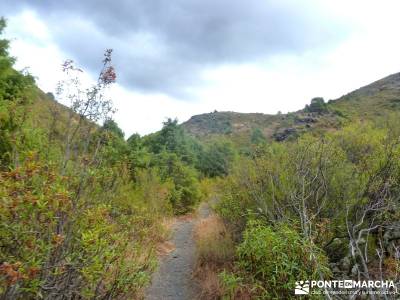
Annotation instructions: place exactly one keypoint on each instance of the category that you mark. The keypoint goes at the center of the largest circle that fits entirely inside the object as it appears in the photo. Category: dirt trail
(173, 279)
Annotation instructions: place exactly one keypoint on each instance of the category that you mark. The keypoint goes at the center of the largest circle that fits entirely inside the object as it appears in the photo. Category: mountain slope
(373, 100)
(377, 98)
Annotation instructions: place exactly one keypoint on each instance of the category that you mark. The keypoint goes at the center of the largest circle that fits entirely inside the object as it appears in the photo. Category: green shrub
(317, 105)
(278, 257)
(231, 283)
(183, 180)
(216, 158)
(15, 89)
(97, 246)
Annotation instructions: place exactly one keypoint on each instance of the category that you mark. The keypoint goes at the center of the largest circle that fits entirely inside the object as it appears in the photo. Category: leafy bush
(277, 257)
(338, 189)
(91, 248)
(216, 158)
(15, 92)
(317, 105)
(183, 180)
(172, 139)
(257, 136)
(72, 223)
(232, 284)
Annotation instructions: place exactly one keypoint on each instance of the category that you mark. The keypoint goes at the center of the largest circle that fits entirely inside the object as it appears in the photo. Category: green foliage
(171, 138)
(216, 158)
(149, 186)
(80, 207)
(4, 44)
(185, 192)
(276, 257)
(180, 160)
(317, 105)
(114, 146)
(13, 84)
(15, 89)
(47, 235)
(72, 223)
(112, 126)
(232, 283)
(257, 137)
(324, 194)
(138, 156)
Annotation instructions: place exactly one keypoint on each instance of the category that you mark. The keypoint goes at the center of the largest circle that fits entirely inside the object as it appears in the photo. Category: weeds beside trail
(215, 252)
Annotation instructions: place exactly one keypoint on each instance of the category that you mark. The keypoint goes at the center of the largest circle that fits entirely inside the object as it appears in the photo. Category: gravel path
(173, 280)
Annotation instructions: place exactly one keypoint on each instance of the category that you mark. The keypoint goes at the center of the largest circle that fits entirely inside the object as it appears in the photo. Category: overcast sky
(178, 58)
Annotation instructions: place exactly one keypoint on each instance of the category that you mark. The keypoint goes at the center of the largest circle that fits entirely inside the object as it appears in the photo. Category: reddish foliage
(10, 271)
(108, 76)
(33, 272)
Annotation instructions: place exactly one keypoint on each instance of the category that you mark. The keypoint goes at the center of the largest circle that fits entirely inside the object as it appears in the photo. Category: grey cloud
(162, 46)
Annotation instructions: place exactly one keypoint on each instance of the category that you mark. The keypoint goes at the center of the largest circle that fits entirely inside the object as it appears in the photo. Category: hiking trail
(174, 278)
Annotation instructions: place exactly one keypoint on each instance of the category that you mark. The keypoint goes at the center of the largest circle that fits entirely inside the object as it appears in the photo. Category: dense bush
(257, 137)
(54, 244)
(73, 225)
(185, 189)
(317, 105)
(216, 158)
(171, 138)
(15, 92)
(340, 190)
(276, 257)
(324, 205)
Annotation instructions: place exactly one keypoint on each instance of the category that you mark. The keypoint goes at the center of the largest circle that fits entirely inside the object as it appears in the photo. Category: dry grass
(163, 244)
(165, 248)
(210, 283)
(214, 242)
(215, 252)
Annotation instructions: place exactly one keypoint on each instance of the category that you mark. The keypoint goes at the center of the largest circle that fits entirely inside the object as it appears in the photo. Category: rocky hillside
(367, 102)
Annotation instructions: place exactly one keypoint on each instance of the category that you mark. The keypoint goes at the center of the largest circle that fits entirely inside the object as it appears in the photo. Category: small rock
(354, 270)
(346, 263)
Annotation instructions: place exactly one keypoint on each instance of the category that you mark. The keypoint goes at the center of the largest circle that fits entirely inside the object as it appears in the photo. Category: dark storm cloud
(162, 46)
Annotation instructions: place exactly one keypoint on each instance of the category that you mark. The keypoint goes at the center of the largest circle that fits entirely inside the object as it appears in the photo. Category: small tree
(257, 137)
(15, 89)
(216, 159)
(88, 105)
(317, 105)
(111, 126)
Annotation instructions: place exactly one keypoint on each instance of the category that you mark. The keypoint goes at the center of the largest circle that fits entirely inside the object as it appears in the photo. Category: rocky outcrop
(284, 134)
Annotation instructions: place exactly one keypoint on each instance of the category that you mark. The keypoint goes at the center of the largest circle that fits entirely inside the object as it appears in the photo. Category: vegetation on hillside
(310, 195)
(374, 100)
(81, 208)
(321, 207)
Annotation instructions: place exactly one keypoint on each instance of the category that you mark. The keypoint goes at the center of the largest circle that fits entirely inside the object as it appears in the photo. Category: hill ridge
(365, 102)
